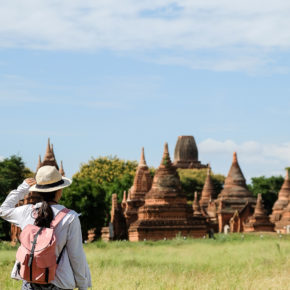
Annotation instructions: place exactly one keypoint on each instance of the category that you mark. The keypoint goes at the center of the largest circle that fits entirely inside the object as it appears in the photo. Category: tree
(12, 173)
(91, 191)
(268, 187)
(88, 198)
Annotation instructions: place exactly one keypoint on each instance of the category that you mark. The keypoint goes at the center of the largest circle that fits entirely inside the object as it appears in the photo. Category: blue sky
(106, 78)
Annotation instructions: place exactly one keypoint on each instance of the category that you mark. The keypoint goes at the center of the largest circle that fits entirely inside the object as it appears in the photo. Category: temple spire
(208, 190)
(195, 206)
(61, 170)
(165, 162)
(124, 196)
(142, 162)
(48, 148)
(39, 163)
(235, 157)
(259, 209)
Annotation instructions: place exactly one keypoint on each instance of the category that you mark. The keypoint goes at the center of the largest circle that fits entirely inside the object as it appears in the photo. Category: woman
(72, 271)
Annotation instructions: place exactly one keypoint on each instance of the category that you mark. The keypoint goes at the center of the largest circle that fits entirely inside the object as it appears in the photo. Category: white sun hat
(49, 179)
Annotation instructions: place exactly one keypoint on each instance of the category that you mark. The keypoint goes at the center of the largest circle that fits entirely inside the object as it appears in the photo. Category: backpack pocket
(44, 268)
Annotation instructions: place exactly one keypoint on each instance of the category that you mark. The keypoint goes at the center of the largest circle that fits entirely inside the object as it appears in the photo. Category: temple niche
(282, 201)
(235, 202)
(186, 153)
(33, 197)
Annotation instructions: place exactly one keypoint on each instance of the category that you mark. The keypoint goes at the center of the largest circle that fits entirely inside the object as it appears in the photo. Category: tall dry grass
(229, 262)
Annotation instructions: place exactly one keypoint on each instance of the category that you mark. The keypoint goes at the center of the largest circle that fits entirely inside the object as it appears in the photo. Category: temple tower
(259, 221)
(235, 195)
(165, 212)
(208, 191)
(141, 185)
(186, 153)
(282, 201)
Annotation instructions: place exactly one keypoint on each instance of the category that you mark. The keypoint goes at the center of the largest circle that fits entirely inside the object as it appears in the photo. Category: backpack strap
(59, 217)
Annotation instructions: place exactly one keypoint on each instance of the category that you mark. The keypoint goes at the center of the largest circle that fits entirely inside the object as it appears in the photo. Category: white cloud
(247, 31)
(256, 158)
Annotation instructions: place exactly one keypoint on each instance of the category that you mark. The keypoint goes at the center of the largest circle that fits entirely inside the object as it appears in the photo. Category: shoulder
(70, 217)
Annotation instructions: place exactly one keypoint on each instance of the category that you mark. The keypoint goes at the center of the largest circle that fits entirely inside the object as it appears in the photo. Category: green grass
(229, 262)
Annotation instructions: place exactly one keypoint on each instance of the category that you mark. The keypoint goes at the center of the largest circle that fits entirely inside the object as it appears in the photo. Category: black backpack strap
(31, 256)
(60, 255)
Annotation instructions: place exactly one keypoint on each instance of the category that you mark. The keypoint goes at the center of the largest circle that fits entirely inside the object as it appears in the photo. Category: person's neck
(52, 202)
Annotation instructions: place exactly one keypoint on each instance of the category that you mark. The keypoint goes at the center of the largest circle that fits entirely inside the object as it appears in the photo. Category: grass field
(229, 262)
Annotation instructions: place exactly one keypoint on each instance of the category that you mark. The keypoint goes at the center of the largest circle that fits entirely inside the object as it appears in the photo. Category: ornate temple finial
(235, 159)
(287, 175)
(39, 163)
(208, 169)
(48, 148)
(61, 170)
(142, 162)
(129, 196)
(166, 162)
(124, 196)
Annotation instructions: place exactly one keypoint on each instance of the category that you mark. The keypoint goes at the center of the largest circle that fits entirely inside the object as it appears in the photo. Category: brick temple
(159, 209)
(165, 213)
(186, 153)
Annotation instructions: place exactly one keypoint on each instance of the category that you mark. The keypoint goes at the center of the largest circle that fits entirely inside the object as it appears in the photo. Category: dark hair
(45, 213)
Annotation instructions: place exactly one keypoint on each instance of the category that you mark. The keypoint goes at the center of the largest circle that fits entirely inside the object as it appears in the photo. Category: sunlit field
(228, 262)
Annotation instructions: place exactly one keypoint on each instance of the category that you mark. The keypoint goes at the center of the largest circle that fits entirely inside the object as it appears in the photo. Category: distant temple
(186, 153)
(160, 211)
(165, 212)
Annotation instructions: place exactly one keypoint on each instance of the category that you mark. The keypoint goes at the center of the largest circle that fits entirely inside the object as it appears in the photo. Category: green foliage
(88, 198)
(91, 191)
(193, 180)
(12, 173)
(268, 187)
(106, 169)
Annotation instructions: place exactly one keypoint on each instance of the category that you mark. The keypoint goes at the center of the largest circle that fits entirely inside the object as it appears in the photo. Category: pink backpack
(36, 255)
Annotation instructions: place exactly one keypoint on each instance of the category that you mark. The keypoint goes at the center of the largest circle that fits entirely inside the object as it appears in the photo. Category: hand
(30, 181)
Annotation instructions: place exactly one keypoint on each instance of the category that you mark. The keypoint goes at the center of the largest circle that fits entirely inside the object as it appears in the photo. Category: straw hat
(49, 179)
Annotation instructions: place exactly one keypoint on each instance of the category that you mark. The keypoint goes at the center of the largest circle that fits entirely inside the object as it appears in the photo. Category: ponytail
(45, 213)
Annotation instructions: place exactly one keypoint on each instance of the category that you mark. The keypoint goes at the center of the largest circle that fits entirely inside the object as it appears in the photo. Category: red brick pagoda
(235, 198)
(165, 213)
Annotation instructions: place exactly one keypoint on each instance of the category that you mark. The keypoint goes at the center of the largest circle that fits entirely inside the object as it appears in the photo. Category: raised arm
(8, 211)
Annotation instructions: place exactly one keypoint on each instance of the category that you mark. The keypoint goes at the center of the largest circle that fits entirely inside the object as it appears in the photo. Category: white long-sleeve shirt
(72, 271)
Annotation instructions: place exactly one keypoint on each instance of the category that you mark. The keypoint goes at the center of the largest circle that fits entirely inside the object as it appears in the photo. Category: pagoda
(282, 201)
(234, 197)
(141, 185)
(259, 221)
(186, 153)
(165, 213)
